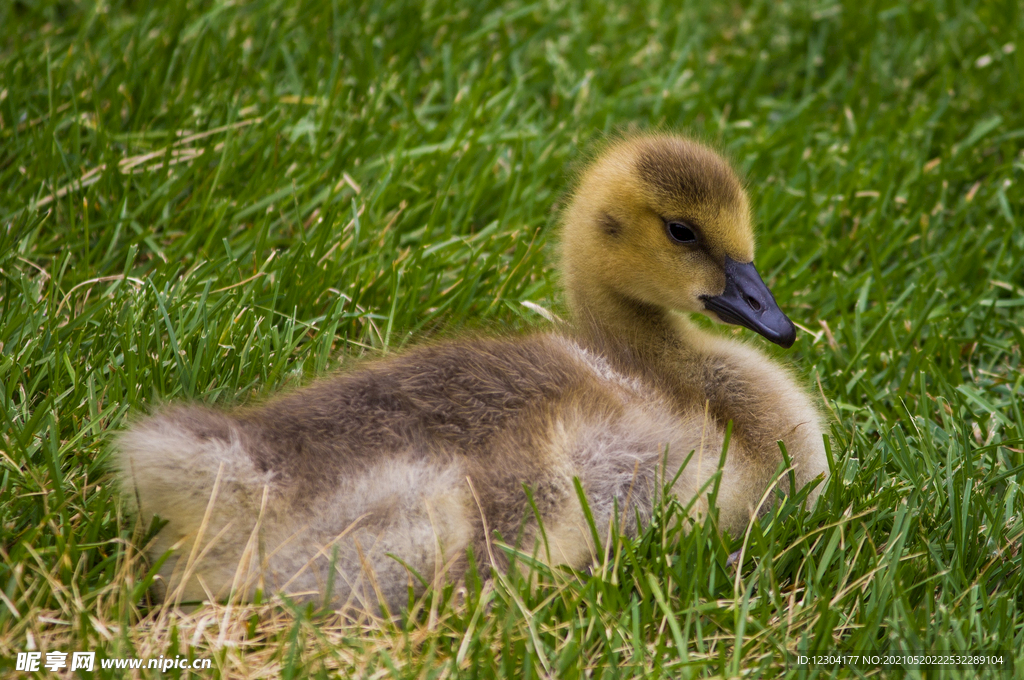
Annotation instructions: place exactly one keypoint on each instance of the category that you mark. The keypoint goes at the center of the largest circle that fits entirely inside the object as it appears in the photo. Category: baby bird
(343, 489)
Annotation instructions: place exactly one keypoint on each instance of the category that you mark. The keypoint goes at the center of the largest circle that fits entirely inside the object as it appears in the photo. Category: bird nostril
(754, 304)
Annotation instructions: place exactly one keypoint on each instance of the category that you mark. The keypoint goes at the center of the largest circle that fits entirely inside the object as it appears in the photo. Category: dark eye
(682, 233)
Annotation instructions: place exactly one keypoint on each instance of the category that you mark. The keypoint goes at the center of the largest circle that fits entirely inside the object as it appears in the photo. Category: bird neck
(620, 325)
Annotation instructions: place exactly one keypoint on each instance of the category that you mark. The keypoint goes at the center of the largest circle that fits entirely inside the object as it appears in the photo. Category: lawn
(216, 200)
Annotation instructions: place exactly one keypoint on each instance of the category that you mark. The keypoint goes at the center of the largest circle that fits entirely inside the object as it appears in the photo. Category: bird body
(343, 489)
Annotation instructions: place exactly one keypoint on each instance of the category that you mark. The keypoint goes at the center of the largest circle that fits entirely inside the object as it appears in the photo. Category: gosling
(338, 492)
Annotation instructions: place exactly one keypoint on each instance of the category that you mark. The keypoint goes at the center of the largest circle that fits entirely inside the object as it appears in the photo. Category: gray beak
(747, 302)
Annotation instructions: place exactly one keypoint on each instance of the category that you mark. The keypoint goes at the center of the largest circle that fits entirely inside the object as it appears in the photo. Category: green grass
(215, 200)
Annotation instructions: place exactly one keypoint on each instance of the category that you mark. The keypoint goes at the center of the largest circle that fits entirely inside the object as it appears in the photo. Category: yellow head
(664, 221)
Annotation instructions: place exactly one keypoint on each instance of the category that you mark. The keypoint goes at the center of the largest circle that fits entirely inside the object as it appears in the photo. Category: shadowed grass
(216, 200)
